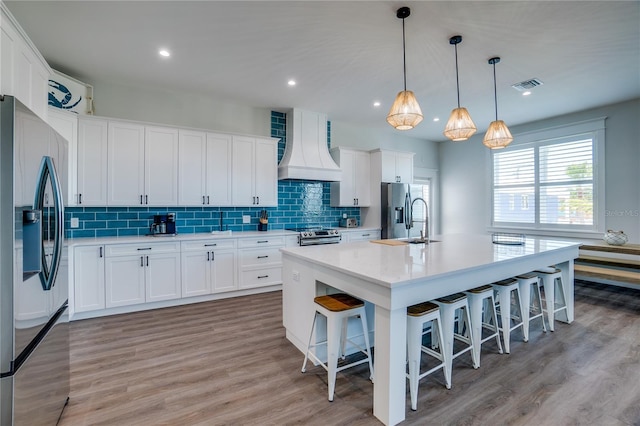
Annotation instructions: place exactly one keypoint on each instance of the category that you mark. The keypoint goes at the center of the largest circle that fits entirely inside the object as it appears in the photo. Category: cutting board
(390, 242)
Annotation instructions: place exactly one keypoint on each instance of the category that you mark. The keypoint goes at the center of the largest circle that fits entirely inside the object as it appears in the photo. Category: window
(550, 180)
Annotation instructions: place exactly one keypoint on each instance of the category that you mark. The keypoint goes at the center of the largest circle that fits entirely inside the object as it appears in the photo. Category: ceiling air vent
(527, 84)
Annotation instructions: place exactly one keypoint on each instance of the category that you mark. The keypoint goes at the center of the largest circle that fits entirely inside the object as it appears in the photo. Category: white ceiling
(346, 55)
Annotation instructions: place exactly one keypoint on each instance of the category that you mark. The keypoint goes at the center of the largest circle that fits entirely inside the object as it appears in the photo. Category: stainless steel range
(316, 236)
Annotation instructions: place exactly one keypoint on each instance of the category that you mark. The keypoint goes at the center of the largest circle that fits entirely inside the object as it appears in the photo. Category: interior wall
(465, 180)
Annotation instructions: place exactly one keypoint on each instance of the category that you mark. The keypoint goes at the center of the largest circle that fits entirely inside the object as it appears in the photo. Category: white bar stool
(417, 317)
(503, 289)
(529, 285)
(482, 307)
(337, 309)
(551, 281)
(448, 307)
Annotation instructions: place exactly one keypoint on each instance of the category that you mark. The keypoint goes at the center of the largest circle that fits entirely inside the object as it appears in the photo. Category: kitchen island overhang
(390, 278)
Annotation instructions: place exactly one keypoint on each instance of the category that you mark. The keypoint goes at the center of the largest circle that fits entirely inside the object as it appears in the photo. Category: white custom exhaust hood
(306, 154)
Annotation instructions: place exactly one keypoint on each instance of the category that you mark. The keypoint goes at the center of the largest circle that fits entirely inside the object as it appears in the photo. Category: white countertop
(397, 265)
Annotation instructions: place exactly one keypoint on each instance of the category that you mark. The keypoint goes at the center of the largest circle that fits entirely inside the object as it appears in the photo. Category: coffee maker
(164, 224)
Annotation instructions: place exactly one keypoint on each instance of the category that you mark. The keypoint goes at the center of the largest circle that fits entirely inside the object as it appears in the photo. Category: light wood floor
(228, 363)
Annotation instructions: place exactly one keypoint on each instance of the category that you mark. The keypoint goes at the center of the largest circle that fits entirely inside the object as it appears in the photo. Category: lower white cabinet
(141, 273)
(360, 235)
(260, 262)
(208, 267)
(88, 276)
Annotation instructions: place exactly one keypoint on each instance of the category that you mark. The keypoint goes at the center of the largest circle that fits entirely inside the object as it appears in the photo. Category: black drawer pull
(263, 241)
(263, 276)
(144, 248)
(262, 257)
(211, 245)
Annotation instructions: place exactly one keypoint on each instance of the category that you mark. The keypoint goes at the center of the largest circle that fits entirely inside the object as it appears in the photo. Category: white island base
(391, 278)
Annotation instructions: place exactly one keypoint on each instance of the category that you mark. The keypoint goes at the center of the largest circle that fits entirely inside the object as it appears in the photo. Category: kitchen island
(391, 277)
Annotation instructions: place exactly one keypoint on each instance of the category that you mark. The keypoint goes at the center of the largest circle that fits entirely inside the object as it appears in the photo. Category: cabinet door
(266, 175)
(348, 184)
(88, 277)
(92, 162)
(126, 164)
(124, 280)
(223, 270)
(218, 188)
(66, 124)
(163, 276)
(404, 167)
(243, 171)
(196, 268)
(192, 168)
(389, 173)
(161, 166)
(362, 179)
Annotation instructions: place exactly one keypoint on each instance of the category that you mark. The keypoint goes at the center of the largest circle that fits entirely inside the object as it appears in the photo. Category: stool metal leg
(306, 355)
(365, 331)
(333, 348)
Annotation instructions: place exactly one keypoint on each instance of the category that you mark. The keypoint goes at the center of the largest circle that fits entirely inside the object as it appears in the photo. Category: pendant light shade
(498, 135)
(405, 113)
(460, 126)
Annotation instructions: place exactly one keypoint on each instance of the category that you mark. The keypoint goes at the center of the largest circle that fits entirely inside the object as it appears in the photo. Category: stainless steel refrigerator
(405, 211)
(34, 334)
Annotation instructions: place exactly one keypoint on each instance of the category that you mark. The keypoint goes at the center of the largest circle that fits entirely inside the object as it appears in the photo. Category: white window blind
(546, 184)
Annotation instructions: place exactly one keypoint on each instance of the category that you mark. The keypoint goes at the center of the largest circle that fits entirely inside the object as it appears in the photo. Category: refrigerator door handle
(408, 216)
(48, 171)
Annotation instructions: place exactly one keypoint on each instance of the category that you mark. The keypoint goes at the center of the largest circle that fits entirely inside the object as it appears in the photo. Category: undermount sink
(421, 241)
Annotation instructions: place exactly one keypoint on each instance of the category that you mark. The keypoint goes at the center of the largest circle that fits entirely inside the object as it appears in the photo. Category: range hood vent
(306, 154)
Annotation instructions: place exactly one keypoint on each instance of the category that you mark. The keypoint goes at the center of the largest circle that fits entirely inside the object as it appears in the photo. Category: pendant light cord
(455, 46)
(404, 58)
(495, 90)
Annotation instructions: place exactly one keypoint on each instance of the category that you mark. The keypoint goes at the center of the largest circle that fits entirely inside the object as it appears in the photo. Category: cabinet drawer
(261, 277)
(261, 242)
(208, 245)
(260, 256)
(136, 249)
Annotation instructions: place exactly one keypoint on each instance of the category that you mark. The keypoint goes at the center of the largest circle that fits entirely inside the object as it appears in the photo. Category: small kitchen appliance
(163, 225)
(349, 222)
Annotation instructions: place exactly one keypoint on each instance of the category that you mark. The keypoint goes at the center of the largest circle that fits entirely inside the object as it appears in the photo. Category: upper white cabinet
(254, 172)
(23, 71)
(204, 169)
(66, 124)
(396, 167)
(142, 165)
(92, 162)
(354, 189)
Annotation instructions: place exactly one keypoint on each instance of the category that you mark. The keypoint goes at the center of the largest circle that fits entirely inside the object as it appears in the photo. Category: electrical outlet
(75, 222)
(296, 275)
(246, 218)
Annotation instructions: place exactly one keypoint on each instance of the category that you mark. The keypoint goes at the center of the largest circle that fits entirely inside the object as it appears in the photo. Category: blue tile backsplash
(300, 203)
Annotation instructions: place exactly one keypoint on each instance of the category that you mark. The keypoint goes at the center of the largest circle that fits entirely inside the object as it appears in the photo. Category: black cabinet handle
(100, 251)
(258, 200)
(262, 257)
(213, 256)
(79, 198)
(207, 199)
(140, 198)
(141, 261)
(208, 255)
(203, 199)
(211, 245)
(146, 199)
(263, 276)
(147, 260)
(143, 248)
(263, 241)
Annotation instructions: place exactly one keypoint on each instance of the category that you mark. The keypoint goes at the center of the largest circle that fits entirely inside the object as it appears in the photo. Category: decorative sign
(70, 94)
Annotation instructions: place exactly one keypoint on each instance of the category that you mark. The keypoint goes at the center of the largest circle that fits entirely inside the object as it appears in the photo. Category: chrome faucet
(424, 232)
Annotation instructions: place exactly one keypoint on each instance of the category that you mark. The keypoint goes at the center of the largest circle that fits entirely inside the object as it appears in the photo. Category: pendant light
(460, 126)
(405, 113)
(498, 135)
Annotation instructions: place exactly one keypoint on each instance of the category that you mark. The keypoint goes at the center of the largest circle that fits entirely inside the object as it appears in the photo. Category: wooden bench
(617, 265)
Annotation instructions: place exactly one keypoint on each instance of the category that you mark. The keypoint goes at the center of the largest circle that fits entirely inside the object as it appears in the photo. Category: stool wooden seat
(417, 317)
(529, 285)
(551, 279)
(482, 309)
(449, 305)
(337, 309)
(504, 290)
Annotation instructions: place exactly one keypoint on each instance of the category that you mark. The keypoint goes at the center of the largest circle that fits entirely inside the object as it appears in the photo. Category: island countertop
(393, 265)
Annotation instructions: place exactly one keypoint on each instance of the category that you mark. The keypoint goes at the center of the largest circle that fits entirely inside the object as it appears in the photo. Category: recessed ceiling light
(376, 104)
(527, 93)
(164, 52)
(291, 82)
(436, 119)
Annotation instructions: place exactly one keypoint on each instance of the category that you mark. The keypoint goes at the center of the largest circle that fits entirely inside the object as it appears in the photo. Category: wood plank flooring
(227, 362)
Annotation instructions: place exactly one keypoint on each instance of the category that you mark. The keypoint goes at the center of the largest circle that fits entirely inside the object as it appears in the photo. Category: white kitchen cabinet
(88, 278)
(139, 273)
(66, 124)
(260, 261)
(353, 190)
(204, 169)
(35, 139)
(254, 172)
(396, 167)
(24, 73)
(142, 165)
(360, 235)
(208, 267)
(92, 161)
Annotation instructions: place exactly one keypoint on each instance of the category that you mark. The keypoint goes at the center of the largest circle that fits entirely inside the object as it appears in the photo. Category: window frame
(594, 129)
